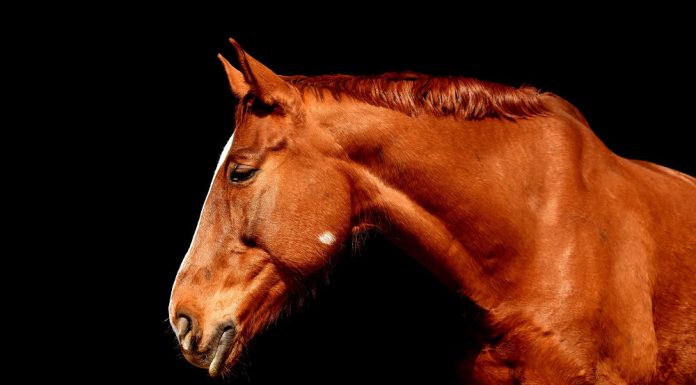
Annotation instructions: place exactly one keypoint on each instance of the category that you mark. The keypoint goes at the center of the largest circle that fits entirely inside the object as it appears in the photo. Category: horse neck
(462, 197)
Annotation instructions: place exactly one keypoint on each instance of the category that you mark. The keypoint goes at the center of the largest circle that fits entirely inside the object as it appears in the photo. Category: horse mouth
(222, 352)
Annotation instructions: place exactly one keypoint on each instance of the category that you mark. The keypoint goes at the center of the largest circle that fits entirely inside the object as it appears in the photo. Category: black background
(158, 111)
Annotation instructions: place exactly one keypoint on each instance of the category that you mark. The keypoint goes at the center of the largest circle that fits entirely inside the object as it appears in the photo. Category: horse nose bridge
(195, 283)
(211, 268)
(196, 270)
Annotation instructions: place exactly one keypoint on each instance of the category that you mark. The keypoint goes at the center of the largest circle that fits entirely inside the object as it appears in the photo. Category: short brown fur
(583, 262)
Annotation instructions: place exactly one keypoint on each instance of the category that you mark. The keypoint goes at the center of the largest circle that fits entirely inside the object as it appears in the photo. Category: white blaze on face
(225, 152)
(186, 261)
(327, 238)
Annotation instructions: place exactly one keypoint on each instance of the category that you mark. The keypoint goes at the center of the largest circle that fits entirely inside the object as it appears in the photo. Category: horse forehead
(258, 133)
(246, 136)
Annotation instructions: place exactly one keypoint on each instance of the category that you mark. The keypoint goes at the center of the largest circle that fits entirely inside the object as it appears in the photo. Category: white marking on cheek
(327, 238)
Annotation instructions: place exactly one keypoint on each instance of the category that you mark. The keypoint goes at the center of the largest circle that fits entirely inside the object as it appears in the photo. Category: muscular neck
(422, 235)
(445, 190)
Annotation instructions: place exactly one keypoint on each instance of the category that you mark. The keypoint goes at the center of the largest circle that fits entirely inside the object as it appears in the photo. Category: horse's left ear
(264, 84)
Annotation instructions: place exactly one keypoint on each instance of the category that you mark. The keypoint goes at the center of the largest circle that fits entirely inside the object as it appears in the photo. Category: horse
(583, 262)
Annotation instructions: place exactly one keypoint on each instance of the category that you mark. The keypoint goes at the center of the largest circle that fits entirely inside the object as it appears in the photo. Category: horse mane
(415, 93)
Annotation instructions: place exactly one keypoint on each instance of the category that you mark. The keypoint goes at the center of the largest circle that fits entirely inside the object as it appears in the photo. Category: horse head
(278, 209)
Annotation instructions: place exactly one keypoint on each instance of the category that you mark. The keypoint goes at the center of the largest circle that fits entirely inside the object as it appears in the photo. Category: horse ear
(264, 84)
(238, 85)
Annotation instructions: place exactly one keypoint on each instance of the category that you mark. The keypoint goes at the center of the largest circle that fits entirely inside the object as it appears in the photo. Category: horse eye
(241, 173)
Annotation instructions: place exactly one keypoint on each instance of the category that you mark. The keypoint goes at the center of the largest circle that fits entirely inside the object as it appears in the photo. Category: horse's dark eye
(241, 173)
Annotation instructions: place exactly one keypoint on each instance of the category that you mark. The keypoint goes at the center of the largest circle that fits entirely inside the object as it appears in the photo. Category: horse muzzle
(211, 355)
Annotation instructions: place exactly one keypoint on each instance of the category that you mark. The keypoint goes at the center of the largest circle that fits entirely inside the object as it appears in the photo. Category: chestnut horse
(583, 262)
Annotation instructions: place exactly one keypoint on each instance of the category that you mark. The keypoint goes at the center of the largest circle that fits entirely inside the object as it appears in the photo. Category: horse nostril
(183, 332)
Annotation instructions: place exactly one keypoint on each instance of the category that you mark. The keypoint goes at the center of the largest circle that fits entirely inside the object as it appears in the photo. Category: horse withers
(583, 262)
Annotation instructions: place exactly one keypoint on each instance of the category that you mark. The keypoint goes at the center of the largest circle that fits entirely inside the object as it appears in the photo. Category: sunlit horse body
(583, 262)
